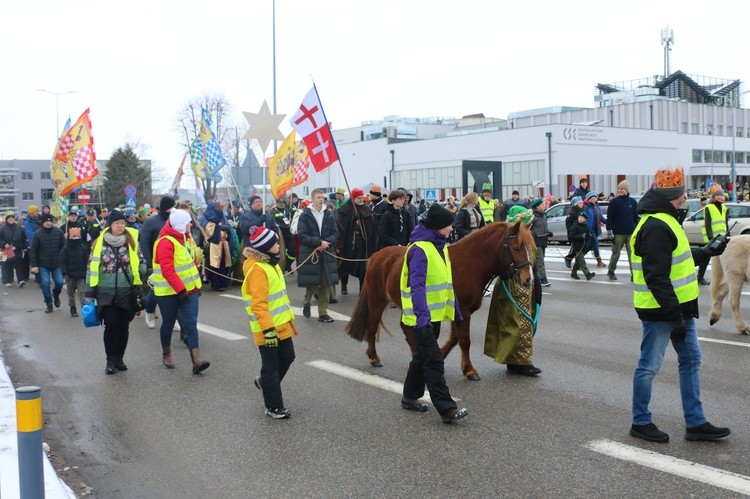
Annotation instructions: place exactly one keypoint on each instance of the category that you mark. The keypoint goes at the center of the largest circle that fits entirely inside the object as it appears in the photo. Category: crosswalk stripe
(725, 342)
(221, 333)
(675, 466)
(366, 378)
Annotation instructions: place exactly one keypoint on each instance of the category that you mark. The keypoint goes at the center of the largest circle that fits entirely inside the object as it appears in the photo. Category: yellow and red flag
(301, 164)
(74, 160)
(281, 167)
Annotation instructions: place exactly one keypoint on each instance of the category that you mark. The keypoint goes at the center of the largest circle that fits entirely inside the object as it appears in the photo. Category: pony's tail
(357, 325)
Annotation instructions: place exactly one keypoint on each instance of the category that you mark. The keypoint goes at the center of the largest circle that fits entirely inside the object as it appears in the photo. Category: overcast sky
(136, 63)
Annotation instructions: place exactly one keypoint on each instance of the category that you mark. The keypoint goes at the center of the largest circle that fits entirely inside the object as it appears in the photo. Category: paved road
(151, 432)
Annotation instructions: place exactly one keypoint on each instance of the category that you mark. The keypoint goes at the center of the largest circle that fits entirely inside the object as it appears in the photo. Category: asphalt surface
(152, 432)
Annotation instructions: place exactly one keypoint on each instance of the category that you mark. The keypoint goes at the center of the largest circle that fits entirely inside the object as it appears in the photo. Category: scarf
(114, 241)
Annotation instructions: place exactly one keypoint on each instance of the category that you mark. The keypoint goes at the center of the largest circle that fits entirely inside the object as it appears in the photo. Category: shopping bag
(90, 314)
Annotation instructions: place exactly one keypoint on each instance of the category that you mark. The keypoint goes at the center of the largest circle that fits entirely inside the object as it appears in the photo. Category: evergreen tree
(123, 168)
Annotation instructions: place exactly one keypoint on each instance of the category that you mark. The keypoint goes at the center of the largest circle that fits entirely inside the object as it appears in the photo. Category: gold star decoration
(264, 126)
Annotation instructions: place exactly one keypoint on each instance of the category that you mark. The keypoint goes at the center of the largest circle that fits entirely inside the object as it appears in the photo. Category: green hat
(536, 202)
(519, 213)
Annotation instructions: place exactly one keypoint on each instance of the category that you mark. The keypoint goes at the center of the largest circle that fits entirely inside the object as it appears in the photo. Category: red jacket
(164, 256)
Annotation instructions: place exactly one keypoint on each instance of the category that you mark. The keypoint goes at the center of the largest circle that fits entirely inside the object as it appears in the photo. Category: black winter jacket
(74, 259)
(15, 236)
(655, 243)
(462, 224)
(46, 247)
(394, 227)
(310, 237)
(148, 235)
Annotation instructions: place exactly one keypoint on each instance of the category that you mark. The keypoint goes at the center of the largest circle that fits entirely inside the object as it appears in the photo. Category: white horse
(728, 273)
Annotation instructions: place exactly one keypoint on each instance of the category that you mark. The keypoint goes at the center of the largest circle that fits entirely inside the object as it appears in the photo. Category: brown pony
(496, 249)
(728, 274)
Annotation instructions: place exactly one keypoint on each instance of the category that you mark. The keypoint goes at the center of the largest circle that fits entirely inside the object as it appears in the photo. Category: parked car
(738, 212)
(556, 216)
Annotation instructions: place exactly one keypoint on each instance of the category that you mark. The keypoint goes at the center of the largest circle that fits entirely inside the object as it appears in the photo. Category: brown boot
(600, 263)
(166, 357)
(198, 363)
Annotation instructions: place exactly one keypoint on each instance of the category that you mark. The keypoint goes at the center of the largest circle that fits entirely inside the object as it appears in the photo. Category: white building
(639, 126)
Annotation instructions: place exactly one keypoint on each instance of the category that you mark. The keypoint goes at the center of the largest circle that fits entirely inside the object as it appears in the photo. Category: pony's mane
(494, 229)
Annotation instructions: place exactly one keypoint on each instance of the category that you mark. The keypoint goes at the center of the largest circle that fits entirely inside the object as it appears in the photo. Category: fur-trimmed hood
(256, 255)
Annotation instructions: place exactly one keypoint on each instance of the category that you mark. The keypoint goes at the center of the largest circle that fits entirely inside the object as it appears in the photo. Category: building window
(695, 128)
(47, 195)
(730, 131)
(739, 157)
(683, 127)
(45, 176)
(7, 201)
(718, 157)
(740, 131)
(697, 156)
(707, 157)
(27, 175)
(27, 196)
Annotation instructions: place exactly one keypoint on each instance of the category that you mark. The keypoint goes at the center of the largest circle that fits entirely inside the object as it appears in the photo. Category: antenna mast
(667, 39)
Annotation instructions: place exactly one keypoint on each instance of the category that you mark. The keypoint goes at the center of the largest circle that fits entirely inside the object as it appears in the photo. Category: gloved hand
(34, 270)
(183, 295)
(678, 329)
(271, 338)
(716, 246)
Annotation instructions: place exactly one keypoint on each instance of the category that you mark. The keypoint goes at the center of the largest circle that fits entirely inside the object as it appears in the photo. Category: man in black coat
(13, 240)
(46, 246)
(357, 241)
(146, 238)
(317, 232)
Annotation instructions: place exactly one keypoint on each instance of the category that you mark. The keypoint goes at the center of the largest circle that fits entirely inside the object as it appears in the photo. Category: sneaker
(22, 284)
(648, 432)
(176, 326)
(344, 291)
(706, 431)
(703, 282)
(8, 285)
(73, 312)
(278, 413)
(57, 301)
(568, 261)
(546, 283)
(256, 382)
(306, 311)
(333, 300)
(325, 318)
(523, 370)
(612, 276)
(455, 414)
(48, 310)
(149, 320)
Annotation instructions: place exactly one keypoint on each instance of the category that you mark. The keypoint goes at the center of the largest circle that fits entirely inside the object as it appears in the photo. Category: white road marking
(725, 342)
(298, 310)
(366, 378)
(668, 464)
(221, 333)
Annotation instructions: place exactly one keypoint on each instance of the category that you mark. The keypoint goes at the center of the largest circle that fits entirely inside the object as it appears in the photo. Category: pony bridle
(513, 268)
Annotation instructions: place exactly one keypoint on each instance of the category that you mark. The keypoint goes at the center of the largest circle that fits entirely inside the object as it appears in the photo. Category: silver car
(738, 212)
(556, 216)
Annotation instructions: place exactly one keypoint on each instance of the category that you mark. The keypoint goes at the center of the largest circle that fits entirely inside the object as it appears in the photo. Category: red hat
(357, 193)
(262, 239)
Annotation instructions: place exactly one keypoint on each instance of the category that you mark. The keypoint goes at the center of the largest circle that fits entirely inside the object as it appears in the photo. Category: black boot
(589, 275)
(574, 275)
(110, 369)
(119, 364)
(73, 312)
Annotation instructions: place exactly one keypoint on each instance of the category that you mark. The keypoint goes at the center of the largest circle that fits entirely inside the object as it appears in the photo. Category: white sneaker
(150, 320)
(176, 326)
(8, 285)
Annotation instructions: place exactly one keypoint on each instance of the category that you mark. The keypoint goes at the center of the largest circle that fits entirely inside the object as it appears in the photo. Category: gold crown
(670, 178)
(714, 188)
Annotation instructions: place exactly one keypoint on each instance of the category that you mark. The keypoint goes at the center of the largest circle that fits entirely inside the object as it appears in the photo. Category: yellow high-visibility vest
(278, 301)
(682, 273)
(441, 299)
(488, 209)
(718, 221)
(96, 258)
(184, 266)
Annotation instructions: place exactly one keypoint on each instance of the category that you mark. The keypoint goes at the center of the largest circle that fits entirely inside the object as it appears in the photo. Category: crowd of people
(133, 261)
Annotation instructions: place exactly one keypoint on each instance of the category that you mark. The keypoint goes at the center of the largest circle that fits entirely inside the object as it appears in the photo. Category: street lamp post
(57, 106)
(733, 174)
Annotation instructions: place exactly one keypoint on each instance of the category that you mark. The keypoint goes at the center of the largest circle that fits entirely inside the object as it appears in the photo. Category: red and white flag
(310, 122)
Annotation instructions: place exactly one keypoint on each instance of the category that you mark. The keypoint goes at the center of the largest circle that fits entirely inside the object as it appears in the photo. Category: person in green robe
(514, 308)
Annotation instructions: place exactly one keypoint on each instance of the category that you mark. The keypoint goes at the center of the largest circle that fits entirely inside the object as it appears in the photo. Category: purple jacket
(416, 260)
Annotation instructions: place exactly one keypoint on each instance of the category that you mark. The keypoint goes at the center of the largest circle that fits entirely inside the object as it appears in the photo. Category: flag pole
(343, 172)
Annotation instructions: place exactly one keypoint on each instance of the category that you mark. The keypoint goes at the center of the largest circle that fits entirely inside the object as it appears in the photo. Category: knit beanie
(166, 204)
(576, 200)
(624, 185)
(519, 213)
(438, 217)
(262, 239)
(179, 219)
(33, 209)
(670, 183)
(47, 217)
(715, 190)
(252, 199)
(115, 216)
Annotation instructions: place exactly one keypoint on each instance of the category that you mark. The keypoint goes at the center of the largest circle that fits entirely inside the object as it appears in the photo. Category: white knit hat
(179, 219)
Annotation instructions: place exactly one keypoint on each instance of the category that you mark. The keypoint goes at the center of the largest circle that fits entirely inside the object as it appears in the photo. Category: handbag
(90, 314)
(137, 300)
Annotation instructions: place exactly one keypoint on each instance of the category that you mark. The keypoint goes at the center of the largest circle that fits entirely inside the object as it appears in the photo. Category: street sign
(84, 196)
(537, 184)
(430, 195)
(130, 202)
(130, 191)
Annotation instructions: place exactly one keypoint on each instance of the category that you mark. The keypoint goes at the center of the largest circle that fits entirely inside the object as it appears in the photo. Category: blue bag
(90, 314)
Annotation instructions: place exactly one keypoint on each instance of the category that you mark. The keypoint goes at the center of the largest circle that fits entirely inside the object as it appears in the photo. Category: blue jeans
(169, 306)
(595, 245)
(653, 346)
(150, 302)
(57, 277)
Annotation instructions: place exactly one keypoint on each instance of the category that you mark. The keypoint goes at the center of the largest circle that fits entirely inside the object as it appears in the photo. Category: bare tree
(219, 111)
